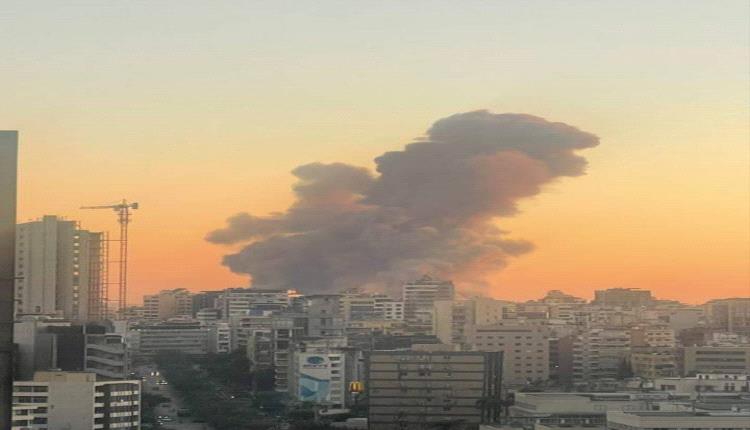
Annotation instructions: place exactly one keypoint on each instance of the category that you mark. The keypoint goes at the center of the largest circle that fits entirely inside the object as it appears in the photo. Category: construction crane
(123, 218)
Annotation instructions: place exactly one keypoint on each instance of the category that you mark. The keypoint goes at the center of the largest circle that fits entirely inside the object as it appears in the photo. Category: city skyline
(199, 121)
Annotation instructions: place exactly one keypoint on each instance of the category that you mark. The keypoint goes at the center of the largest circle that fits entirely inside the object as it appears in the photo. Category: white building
(705, 383)
(485, 311)
(168, 304)
(600, 353)
(419, 300)
(76, 400)
(648, 420)
(318, 372)
(59, 269)
(240, 301)
(183, 336)
(525, 350)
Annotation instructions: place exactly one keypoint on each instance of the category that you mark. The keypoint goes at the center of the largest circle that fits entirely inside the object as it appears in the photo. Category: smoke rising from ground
(429, 208)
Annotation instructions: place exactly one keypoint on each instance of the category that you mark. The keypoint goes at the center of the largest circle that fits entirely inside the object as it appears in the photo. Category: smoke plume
(429, 208)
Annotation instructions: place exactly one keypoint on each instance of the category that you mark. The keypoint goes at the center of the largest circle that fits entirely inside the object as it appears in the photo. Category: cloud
(429, 208)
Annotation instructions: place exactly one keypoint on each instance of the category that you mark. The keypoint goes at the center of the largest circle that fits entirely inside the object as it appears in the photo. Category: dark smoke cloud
(429, 209)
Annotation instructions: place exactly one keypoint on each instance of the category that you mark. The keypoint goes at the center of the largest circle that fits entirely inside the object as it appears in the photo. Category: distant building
(76, 400)
(58, 266)
(600, 353)
(324, 315)
(652, 363)
(418, 389)
(205, 300)
(715, 359)
(449, 321)
(525, 350)
(183, 336)
(220, 338)
(389, 309)
(485, 311)
(168, 304)
(731, 315)
(241, 301)
(419, 300)
(624, 297)
(654, 336)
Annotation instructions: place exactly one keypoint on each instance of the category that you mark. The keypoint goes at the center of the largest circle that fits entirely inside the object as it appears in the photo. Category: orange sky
(199, 113)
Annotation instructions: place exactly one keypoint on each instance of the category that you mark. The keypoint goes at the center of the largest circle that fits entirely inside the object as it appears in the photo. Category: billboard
(314, 378)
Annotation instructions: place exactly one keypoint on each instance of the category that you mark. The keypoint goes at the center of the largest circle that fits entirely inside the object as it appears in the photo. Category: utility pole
(8, 190)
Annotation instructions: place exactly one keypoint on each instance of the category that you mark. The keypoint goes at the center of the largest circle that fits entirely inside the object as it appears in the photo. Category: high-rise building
(525, 350)
(420, 389)
(419, 302)
(58, 268)
(168, 304)
(77, 400)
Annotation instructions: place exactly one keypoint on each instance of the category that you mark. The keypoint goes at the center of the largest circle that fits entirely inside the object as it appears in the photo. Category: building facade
(419, 389)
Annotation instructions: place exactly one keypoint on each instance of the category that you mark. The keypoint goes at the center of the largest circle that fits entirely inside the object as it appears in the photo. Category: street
(154, 383)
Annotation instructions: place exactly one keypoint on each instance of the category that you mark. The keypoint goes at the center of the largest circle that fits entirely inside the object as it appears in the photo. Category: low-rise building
(705, 383)
(647, 420)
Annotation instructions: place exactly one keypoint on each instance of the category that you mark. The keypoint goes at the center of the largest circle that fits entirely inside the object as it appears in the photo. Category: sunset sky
(199, 110)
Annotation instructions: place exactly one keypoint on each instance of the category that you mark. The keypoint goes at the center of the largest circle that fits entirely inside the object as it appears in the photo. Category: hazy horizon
(202, 111)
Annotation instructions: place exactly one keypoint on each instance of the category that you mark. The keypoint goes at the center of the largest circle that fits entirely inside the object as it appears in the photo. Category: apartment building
(600, 353)
(449, 322)
(241, 301)
(76, 400)
(731, 315)
(485, 311)
(419, 389)
(58, 269)
(168, 304)
(525, 350)
(419, 300)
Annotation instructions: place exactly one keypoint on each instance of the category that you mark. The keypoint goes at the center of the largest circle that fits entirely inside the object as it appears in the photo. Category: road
(170, 408)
